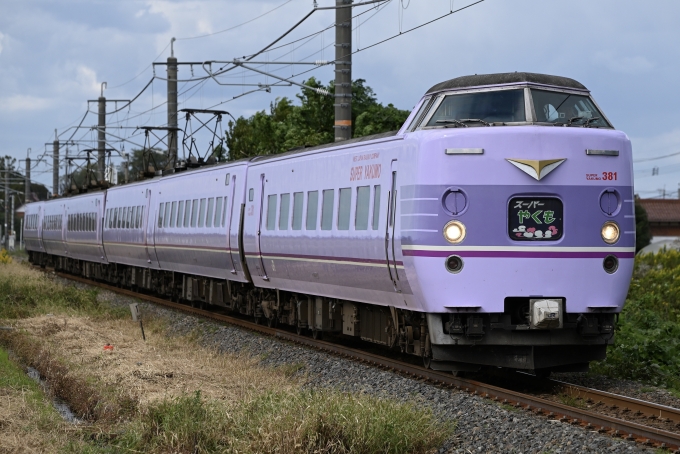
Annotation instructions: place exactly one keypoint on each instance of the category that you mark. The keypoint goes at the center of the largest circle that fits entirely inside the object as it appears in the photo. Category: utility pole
(6, 206)
(27, 188)
(55, 165)
(11, 215)
(172, 108)
(343, 70)
(101, 136)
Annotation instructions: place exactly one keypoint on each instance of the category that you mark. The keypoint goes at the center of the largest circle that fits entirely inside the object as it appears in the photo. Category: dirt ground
(158, 368)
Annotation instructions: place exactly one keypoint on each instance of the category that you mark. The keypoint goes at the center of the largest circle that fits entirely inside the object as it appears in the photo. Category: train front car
(519, 232)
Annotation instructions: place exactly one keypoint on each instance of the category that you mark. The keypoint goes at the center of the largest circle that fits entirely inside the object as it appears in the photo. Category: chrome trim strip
(464, 151)
(602, 152)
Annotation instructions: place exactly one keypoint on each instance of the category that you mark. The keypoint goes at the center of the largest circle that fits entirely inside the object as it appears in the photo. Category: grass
(647, 343)
(571, 401)
(170, 395)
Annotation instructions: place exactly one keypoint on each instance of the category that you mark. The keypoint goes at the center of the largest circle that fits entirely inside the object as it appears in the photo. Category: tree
(287, 126)
(643, 233)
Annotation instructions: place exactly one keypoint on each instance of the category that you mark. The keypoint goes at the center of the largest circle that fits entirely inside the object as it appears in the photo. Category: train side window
(312, 209)
(133, 222)
(327, 209)
(218, 211)
(194, 212)
(271, 212)
(251, 194)
(361, 215)
(125, 220)
(91, 219)
(107, 219)
(166, 216)
(209, 215)
(201, 214)
(187, 213)
(128, 217)
(376, 207)
(298, 199)
(141, 217)
(161, 207)
(284, 214)
(173, 214)
(120, 218)
(180, 213)
(224, 212)
(344, 208)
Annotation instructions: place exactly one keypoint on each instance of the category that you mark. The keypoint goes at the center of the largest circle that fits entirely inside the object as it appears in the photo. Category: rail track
(583, 417)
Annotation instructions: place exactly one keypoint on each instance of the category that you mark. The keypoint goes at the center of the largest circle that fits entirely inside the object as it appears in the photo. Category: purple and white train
(495, 228)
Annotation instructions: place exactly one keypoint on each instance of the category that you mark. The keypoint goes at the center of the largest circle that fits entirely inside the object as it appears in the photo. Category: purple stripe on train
(521, 254)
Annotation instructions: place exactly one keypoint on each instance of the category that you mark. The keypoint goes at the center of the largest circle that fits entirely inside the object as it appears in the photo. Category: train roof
(479, 80)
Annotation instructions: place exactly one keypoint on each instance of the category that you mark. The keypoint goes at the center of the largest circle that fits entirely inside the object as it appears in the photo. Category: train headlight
(454, 232)
(610, 232)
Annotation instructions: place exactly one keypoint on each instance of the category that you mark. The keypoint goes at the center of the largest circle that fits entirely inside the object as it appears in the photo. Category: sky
(54, 56)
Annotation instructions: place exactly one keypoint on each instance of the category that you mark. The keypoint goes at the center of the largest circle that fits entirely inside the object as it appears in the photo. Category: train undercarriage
(457, 342)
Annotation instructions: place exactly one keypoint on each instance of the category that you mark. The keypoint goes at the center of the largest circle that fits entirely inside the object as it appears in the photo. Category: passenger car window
(285, 211)
(327, 209)
(209, 216)
(218, 211)
(160, 214)
(187, 213)
(201, 214)
(312, 209)
(376, 207)
(298, 199)
(173, 214)
(271, 212)
(180, 213)
(224, 212)
(361, 216)
(194, 212)
(344, 208)
(166, 217)
(251, 194)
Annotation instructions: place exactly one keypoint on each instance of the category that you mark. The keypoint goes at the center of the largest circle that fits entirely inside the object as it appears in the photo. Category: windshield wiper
(453, 122)
(477, 120)
(573, 119)
(586, 124)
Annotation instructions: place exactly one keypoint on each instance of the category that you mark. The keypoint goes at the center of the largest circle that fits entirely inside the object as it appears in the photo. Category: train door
(64, 229)
(391, 243)
(230, 210)
(262, 271)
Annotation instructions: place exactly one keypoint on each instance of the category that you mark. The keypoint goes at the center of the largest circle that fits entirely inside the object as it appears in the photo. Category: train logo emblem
(534, 168)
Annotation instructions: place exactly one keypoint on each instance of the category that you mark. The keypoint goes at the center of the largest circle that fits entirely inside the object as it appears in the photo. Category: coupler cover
(546, 313)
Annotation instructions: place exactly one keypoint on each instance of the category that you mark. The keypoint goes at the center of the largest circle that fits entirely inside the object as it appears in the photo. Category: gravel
(482, 425)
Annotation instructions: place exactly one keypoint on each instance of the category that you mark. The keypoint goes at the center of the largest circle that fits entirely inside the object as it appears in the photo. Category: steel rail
(586, 419)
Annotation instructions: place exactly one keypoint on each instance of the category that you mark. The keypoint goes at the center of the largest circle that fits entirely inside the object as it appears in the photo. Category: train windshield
(480, 108)
(565, 108)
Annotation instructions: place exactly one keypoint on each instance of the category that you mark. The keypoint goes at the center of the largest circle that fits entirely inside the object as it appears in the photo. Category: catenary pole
(27, 187)
(172, 107)
(343, 71)
(55, 165)
(6, 229)
(101, 136)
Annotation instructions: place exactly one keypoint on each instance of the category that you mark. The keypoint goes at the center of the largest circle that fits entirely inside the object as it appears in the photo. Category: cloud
(628, 65)
(25, 103)
(2, 38)
(87, 78)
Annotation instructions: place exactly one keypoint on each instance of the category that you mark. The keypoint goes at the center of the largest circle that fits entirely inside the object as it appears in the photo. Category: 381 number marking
(609, 176)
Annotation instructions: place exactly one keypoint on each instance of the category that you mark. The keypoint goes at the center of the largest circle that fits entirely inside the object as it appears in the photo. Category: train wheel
(458, 373)
(426, 361)
(258, 320)
(271, 321)
(298, 330)
(316, 334)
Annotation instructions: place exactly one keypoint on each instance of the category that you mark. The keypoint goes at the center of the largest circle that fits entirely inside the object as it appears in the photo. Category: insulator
(321, 91)
(320, 62)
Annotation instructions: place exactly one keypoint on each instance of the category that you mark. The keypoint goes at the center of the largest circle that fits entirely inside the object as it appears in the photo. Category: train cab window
(327, 209)
(312, 209)
(298, 199)
(180, 213)
(361, 215)
(209, 215)
(187, 213)
(201, 214)
(251, 194)
(271, 212)
(376, 207)
(166, 216)
(224, 212)
(344, 208)
(194, 212)
(284, 214)
(487, 106)
(218, 211)
(418, 117)
(566, 108)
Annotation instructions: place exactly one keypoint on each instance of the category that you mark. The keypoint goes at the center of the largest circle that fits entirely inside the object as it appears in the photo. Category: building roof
(662, 210)
(479, 80)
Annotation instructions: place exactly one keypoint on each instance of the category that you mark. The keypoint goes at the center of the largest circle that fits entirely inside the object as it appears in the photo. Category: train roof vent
(479, 80)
